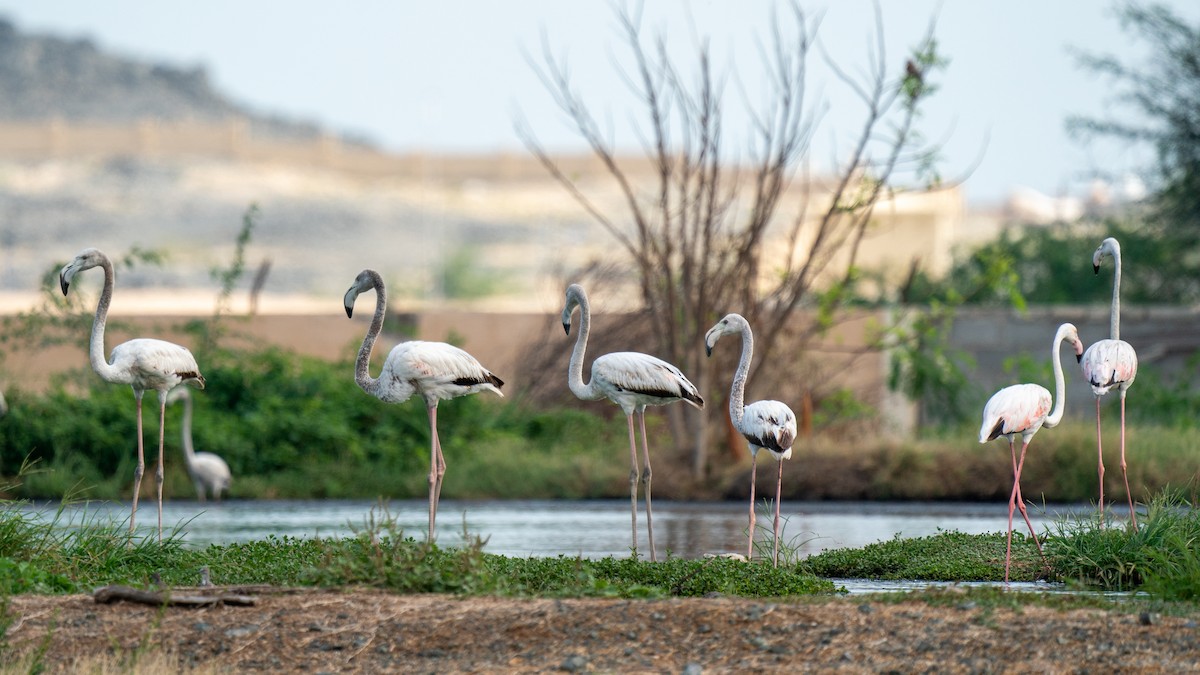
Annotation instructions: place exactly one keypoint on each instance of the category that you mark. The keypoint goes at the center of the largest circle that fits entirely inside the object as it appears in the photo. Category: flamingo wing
(1109, 363)
(434, 369)
(770, 425)
(650, 380)
(156, 364)
(1019, 409)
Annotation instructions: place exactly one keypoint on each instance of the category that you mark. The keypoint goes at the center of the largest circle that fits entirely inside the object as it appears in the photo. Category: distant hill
(44, 75)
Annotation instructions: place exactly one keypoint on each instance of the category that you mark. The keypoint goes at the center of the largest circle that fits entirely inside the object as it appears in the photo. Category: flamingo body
(142, 363)
(1109, 363)
(146, 363)
(770, 426)
(1022, 410)
(434, 370)
(766, 425)
(633, 381)
(209, 473)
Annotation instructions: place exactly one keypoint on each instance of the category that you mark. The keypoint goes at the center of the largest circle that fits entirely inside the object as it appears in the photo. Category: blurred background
(482, 155)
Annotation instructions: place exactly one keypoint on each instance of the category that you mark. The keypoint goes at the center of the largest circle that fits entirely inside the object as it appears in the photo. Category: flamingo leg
(1012, 505)
(437, 469)
(1021, 504)
(633, 481)
(778, 493)
(646, 485)
(158, 471)
(1100, 461)
(753, 480)
(1128, 492)
(141, 463)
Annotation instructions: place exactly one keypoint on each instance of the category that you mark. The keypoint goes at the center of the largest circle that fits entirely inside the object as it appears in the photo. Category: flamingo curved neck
(96, 347)
(362, 374)
(1114, 319)
(188, 451)
(1060, 385)
(737, 391)
(583, 391)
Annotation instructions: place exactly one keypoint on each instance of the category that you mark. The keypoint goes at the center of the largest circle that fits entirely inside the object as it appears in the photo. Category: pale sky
(452, 75)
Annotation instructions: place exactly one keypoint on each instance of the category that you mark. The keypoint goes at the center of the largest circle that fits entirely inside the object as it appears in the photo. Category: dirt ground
(370, 631)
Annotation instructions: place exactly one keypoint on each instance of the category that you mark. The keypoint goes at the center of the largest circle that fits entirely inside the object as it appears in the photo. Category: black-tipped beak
(1079, 358)
(707, 349)
(349, 312)
(567, 328)
(1096, 269)
(63, 283)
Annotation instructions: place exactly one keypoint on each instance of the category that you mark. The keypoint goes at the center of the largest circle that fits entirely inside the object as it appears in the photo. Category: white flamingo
(142, 363)
(209, 473)
(1023, 409)
(433, 370)
(766, 425)
(1111, 363)
(633, 381)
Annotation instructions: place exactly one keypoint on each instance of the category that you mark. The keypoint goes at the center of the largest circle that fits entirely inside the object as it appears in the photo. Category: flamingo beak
(63, 283)
(1096, 268)
(567, 327)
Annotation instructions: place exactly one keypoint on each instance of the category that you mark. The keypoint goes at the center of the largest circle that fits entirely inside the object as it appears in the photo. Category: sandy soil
(371, 631)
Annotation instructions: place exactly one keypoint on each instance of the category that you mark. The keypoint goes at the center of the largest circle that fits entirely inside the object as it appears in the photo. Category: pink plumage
(1021, 410)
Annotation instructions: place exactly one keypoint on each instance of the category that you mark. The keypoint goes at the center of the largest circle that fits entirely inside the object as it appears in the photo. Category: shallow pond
(591, 529)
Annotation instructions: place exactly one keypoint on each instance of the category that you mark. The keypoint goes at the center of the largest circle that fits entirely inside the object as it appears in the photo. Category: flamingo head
(1068, 331)
(1107, 247)
(84, 260)
(575, 298)
(366, 279)
(732, 323)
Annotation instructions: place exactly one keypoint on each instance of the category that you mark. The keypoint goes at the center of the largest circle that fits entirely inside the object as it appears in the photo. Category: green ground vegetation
(41, 555)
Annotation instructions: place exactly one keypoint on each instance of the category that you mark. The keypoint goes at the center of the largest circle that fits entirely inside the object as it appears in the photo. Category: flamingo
(434, 370)
(766, 425)
(1022, 409)
(142, 363)
(631, 380)
(208, 471)
(1111, 363)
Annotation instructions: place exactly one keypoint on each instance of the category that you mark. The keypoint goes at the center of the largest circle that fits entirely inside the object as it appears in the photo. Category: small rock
(693, 669)
(714, 594)
(970, 604)
(201, 626)
(574, 663)
(242, 631)
(658, 616)
(1147, 619)
(315, 628)
(703, 628)
(865, 608)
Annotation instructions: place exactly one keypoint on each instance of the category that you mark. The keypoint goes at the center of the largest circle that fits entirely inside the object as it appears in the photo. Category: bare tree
(695, 253)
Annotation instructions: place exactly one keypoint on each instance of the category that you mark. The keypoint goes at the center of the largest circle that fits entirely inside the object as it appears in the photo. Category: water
(591, 529)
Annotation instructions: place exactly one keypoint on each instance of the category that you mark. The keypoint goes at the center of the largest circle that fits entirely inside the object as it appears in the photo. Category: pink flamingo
(632, 380)
(142, 363)
(766, 425)
(435, 371)
(1023, 409)
(1111, 363)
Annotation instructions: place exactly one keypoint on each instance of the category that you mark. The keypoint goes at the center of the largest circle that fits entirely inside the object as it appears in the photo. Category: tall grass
(1161, 555)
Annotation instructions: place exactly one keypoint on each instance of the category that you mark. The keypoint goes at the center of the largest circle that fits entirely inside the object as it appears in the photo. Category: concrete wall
(1164, 337)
